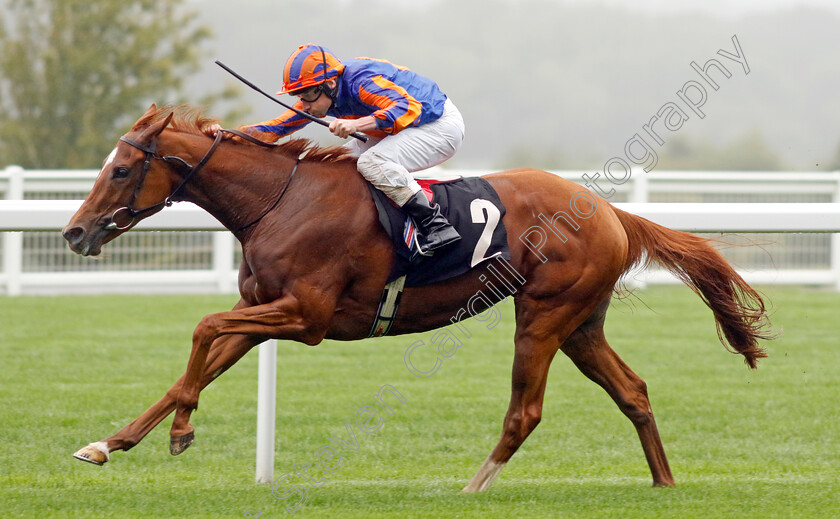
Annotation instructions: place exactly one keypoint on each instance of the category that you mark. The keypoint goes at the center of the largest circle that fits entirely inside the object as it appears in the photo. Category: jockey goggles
(310, 95)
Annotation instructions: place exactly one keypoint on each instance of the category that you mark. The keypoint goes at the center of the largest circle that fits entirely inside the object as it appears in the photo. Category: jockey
(411, 125)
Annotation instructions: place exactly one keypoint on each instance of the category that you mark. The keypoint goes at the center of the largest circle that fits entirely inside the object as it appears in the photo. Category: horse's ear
(155, 129)
(165, 122)
(143, 121)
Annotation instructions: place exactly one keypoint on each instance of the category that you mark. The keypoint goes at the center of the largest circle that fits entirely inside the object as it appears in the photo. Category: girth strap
(389, 303)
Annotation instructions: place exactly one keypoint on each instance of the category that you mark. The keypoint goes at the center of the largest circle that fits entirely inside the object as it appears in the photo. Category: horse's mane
(191, 120)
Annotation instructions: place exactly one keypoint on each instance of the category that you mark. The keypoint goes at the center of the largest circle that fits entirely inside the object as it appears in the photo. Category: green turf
(741, 443)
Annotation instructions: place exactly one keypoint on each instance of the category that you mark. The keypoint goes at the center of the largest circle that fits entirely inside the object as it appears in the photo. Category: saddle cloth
(471, 205)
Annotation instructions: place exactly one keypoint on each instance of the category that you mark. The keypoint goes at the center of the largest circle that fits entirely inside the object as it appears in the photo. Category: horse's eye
(121, 172)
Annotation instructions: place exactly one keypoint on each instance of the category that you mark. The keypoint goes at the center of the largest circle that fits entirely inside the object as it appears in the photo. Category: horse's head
(130, 187)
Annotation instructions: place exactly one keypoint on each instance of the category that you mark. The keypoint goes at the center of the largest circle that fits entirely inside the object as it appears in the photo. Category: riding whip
(299, 112)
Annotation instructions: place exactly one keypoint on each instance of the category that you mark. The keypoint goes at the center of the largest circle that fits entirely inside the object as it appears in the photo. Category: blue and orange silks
(397, 97)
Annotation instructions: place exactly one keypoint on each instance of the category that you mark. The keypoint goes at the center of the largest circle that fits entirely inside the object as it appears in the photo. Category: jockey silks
(395, 96)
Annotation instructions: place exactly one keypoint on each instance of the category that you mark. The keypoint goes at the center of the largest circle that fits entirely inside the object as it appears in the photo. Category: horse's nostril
(73, 235)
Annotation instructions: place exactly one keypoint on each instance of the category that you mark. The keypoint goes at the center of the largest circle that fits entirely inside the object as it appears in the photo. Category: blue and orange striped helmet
(308, 66)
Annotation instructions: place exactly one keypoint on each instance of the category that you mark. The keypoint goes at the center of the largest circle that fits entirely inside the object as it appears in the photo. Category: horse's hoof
(179, 444)
(96, 453)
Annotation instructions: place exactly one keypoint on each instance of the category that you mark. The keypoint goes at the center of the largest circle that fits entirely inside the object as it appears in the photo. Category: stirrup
(418, 249)
(446, 236)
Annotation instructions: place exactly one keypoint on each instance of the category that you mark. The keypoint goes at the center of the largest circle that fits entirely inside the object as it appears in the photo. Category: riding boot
(433, 229)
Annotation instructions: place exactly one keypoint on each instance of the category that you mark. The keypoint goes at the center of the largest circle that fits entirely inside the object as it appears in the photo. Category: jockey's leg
(433, 229)
(388, 164)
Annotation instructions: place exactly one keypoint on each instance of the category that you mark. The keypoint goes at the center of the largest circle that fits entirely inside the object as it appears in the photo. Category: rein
(151, 153)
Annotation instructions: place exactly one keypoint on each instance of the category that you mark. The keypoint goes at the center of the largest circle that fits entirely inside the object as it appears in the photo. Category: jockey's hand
(213, 130)
(344, 127)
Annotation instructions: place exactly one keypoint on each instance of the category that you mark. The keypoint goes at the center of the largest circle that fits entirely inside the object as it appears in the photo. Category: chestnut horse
(316, 259)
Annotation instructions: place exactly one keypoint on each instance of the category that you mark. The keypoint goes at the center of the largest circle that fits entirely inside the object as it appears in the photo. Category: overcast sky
(722, 7)
(716, 6)
(612, 63)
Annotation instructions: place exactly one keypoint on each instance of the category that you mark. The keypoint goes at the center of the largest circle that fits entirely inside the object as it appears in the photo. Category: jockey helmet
(308, 66)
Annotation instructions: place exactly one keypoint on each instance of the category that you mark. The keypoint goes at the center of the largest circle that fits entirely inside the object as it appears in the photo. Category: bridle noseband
(151, 153)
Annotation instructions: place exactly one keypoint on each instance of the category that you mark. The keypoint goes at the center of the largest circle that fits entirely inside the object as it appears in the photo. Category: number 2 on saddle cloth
(472, 206)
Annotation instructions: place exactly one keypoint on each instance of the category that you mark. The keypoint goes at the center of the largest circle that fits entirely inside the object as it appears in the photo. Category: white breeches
(388, 162)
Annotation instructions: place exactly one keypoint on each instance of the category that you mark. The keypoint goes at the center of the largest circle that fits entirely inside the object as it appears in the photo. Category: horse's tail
(739, 310)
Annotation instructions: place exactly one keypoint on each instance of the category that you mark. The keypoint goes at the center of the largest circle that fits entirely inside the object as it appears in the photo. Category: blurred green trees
(74, 74)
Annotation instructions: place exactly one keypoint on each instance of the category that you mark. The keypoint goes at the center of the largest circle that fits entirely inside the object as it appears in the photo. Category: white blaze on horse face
(109, 160)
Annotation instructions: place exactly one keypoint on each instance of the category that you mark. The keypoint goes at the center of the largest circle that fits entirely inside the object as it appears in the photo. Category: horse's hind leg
(588, 349)
(224, 353)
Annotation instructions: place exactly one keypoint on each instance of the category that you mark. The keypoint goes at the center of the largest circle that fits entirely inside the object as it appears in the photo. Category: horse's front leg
(224, 353)
(280, 319)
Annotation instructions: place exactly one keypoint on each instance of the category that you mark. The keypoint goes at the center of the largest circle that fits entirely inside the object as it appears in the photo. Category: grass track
(741, 443)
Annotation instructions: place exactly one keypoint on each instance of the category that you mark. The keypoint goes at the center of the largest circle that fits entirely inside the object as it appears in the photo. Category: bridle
(151, 153)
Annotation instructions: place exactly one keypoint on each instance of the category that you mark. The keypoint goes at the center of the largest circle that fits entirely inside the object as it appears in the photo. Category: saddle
(471, 205)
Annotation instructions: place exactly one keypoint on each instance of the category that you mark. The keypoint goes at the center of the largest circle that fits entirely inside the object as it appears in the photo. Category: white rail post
(223, 260)
(266, 406)
(640, 188)
(834, 248)
(13, 241)
(639, 192)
